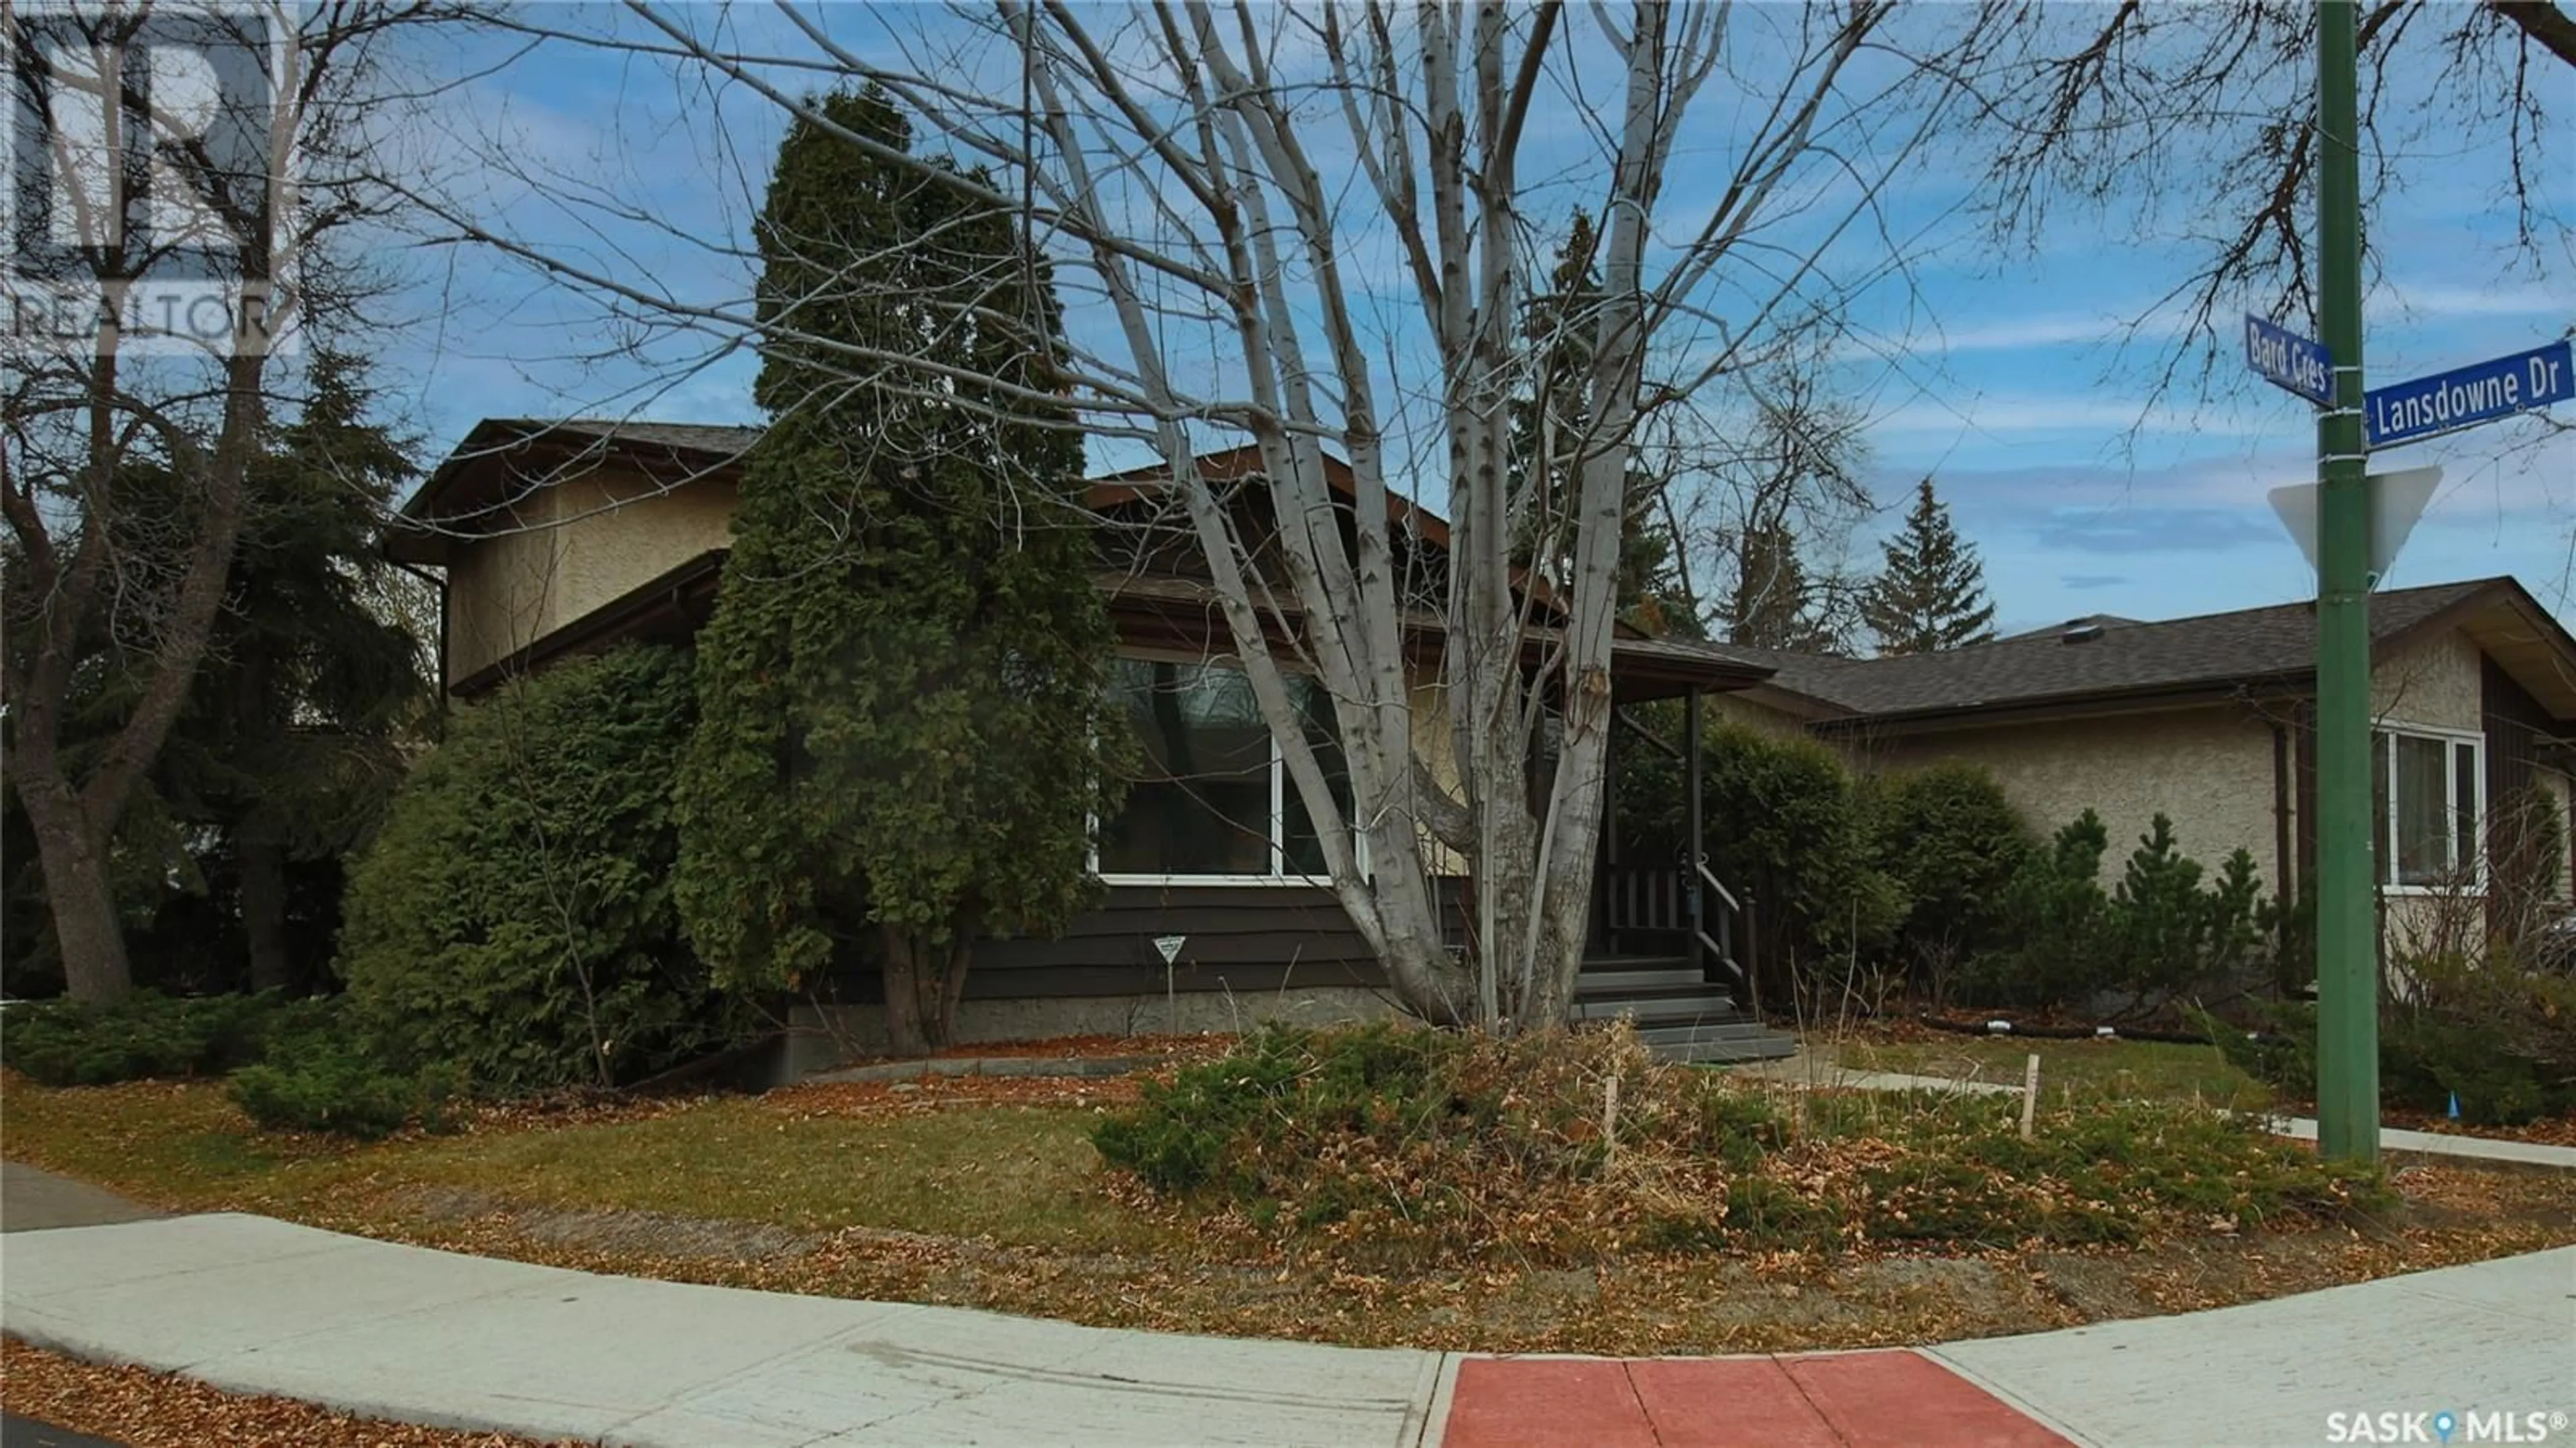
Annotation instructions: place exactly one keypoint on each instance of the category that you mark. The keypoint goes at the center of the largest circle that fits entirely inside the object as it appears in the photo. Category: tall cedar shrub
(1931, 592)
(904, 690)
(514, 918)
(1953, 843)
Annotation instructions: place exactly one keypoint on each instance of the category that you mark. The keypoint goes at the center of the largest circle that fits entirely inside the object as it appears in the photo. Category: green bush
(1953, 843)
(2500, 1040)
(2058, 922)
(343, 1089)
(2167, 931)
(1783, 822)
(514, 918)
(2170, 935)
(151, 1036)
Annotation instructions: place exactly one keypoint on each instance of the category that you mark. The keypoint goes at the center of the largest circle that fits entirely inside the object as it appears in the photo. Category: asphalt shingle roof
(716, 439)
(2124, 658)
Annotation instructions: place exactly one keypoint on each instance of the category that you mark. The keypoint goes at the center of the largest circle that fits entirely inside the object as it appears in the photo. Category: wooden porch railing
(1686, 900)
(1712, 923)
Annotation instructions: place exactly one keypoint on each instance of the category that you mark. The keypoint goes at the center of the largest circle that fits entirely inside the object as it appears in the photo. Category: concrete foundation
(823, 1037)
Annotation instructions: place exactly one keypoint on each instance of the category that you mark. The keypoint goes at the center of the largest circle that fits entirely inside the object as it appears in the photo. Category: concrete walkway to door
(389, 1331)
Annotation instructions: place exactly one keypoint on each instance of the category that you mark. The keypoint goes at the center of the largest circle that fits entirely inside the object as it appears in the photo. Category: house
(2209, 720)
(552, 538)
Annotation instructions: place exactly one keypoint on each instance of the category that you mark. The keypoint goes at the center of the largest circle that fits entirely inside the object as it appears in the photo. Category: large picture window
(2429, 800)
(1211, 797)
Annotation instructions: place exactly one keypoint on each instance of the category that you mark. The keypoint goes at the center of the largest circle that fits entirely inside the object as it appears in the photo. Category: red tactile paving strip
(1832, 1400)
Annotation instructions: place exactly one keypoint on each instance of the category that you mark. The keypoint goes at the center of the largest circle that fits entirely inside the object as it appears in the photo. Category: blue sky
(1999, 375)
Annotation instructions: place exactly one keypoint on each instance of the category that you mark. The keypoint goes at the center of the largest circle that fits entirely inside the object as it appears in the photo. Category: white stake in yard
(2029, 1096)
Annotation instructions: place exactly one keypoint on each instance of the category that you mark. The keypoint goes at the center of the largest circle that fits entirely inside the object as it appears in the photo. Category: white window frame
(1279, 787)
(2384, 852)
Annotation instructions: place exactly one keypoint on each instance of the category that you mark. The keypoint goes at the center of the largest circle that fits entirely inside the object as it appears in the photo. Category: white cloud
(2433, 301)
(1998, 415)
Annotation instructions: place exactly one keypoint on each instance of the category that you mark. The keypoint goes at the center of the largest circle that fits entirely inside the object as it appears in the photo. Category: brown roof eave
(2086, 704)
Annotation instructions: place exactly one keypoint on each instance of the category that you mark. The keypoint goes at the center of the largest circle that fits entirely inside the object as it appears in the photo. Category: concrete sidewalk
(389, 1331)
(2488, 1337)
(35, 1200)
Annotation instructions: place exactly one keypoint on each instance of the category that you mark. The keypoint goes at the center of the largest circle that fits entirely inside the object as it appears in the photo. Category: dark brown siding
(2517, 726)
(1239, 938)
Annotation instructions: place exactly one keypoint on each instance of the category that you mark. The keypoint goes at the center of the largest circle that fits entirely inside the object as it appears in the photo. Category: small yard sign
(1170, 946)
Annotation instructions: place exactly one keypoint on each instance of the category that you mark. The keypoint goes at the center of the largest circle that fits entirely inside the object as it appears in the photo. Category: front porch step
(1770, 1046)
(1695, 1001)
(1741, 1039)
(1593, 984)
(1678, 1013)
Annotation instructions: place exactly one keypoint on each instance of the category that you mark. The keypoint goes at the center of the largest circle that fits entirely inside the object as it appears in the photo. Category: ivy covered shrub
(514, 918)
(1394, 1143)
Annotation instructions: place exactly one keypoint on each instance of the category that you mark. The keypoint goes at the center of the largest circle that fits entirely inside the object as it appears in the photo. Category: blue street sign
(2286, 359)
(2467, 396)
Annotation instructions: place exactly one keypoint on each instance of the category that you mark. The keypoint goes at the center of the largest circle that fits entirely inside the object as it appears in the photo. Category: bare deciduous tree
(251, 149)
(2122, 110)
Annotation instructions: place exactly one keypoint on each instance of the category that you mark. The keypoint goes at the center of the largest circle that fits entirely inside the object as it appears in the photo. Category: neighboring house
(556, 538)
(2209, 720)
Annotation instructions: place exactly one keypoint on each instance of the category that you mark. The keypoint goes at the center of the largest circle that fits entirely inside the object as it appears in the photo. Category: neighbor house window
(2429, 799)
(1211, 796)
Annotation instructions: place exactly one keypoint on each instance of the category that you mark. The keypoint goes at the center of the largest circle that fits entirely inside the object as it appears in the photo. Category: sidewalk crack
(1628, 1375)
(1807, 1398)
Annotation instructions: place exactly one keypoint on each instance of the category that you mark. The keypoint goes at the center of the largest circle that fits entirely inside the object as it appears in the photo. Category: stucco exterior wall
(496, 588)
(574, 547)
(2208, 769)
(1435, 746)
(2434, 683)
(1737, 709)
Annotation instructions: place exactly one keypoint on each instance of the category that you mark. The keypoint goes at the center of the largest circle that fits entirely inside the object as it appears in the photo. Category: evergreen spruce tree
(294, 731)
(1775, 605)
(1932, 594)
(904, 724)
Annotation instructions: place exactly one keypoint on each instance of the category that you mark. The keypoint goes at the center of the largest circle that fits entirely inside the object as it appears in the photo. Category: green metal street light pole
(2347, 934)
